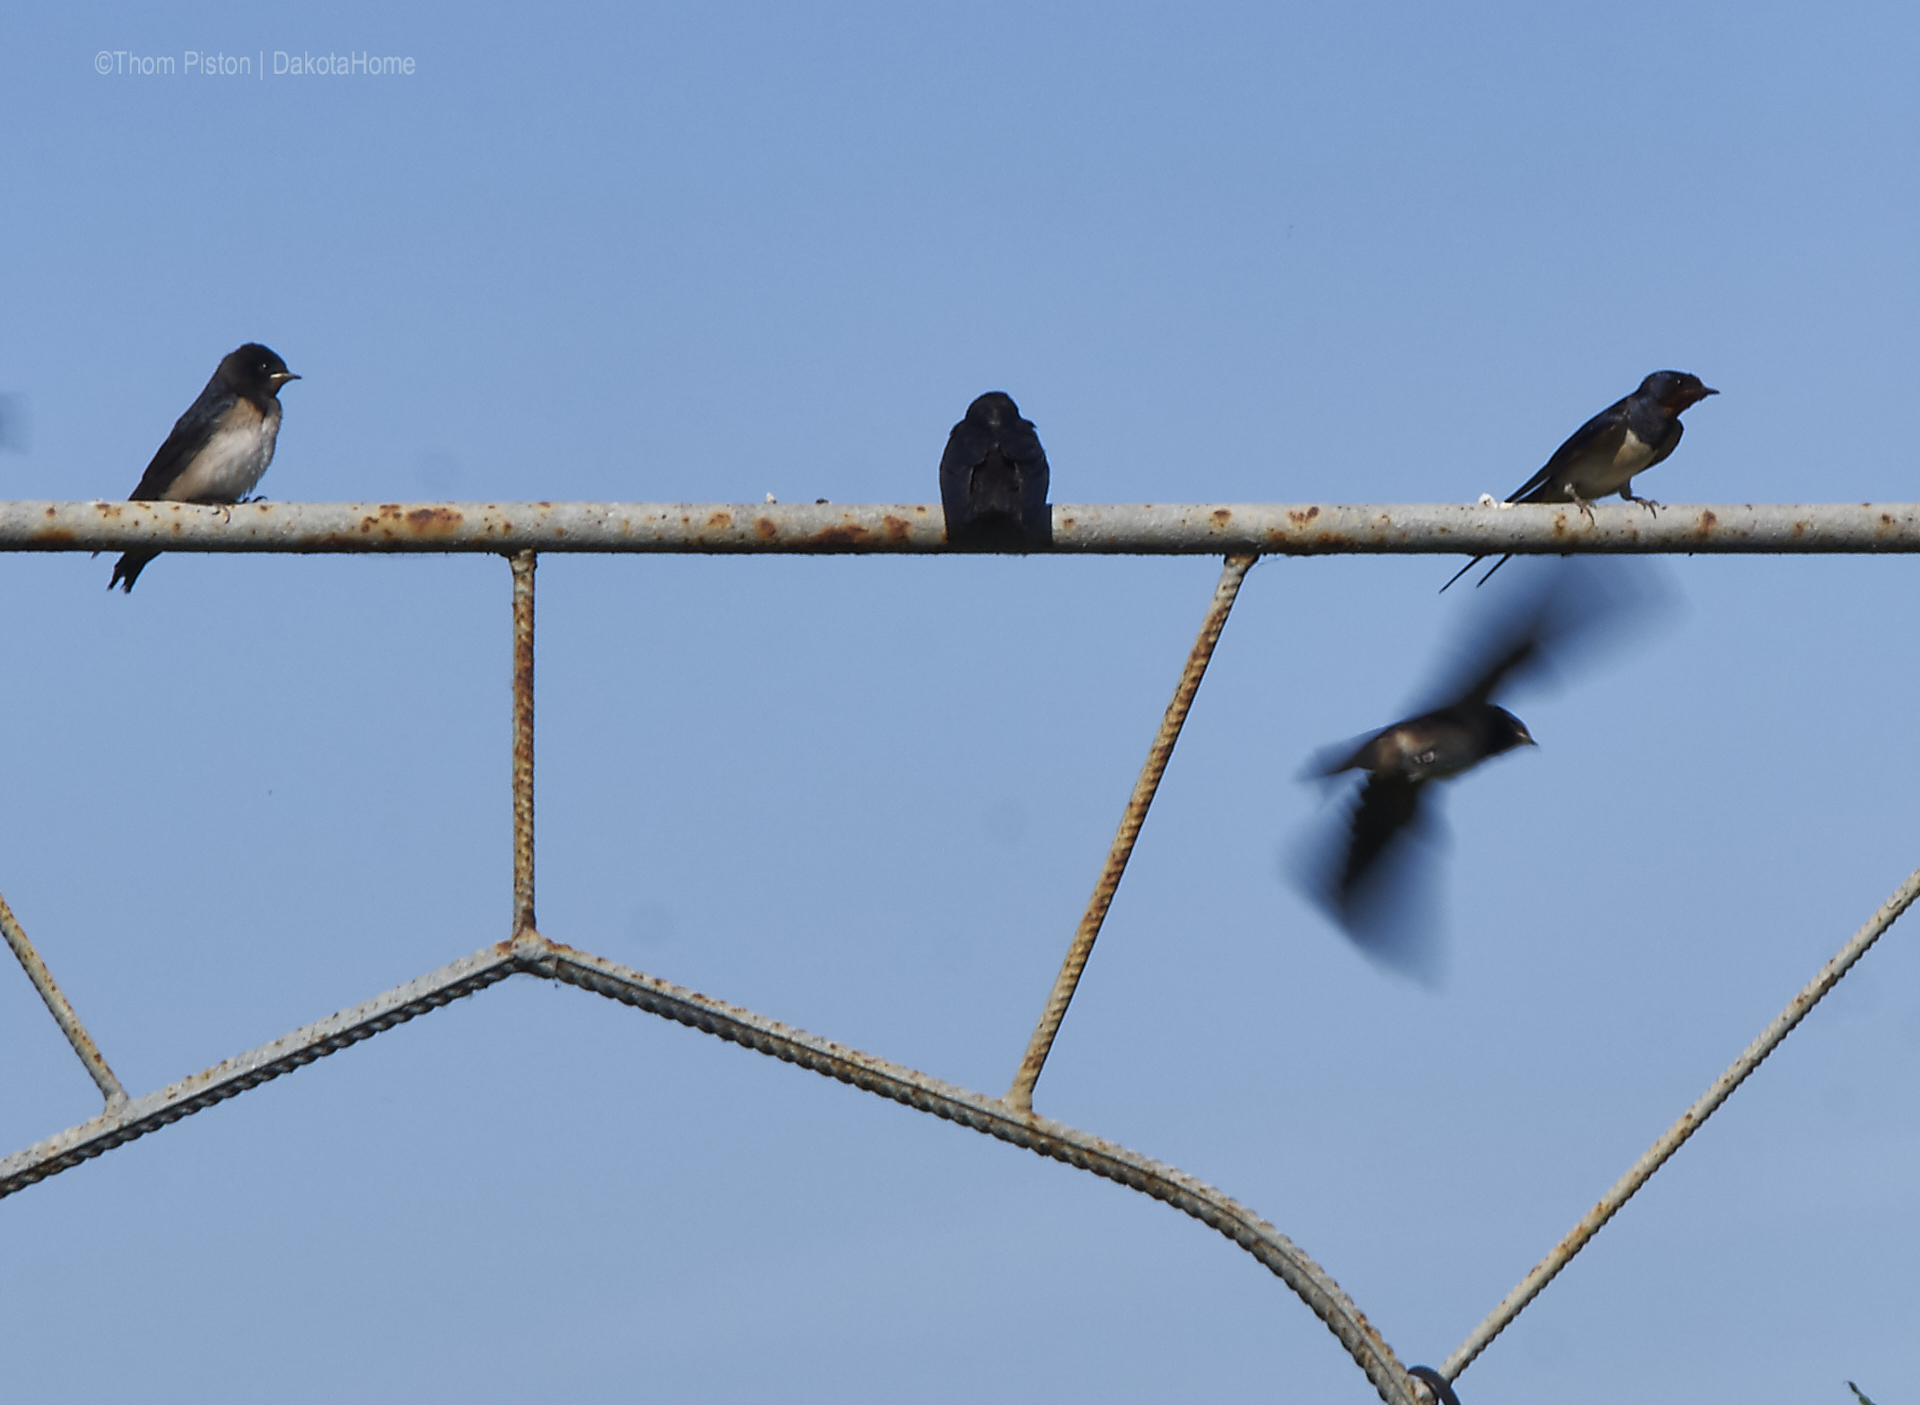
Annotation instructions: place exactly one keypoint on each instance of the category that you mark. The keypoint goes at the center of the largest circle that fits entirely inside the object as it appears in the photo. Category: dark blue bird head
(1506, 731)
(995, 408)
(254, 370)
(1673, 391)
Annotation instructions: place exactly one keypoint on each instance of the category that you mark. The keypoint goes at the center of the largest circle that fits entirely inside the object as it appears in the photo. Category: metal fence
(1239, 532)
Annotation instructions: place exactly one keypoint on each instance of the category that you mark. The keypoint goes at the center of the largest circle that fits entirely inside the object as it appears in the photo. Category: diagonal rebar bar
(1690, 1122)
(61, 1009)
(134, 1118)
(1020, 1095)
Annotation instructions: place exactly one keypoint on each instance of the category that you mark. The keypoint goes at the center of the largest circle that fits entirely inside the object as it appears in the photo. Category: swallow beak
(1707, 390)
(280, 378)
(1526, 738)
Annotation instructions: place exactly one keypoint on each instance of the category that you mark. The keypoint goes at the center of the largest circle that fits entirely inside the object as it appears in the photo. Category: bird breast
(235, 457)
(1604, 473)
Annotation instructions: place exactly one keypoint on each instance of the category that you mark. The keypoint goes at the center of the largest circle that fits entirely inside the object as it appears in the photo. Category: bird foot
(1586, 508)
(1649, 504)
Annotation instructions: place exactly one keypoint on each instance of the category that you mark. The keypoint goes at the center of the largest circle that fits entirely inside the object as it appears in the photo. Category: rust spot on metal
(897, 527)
(766, 527)
(1886, 519)
(1708, 521)
(720, 520)
(56, 536)
(827, 536)
(433, 519)
(1799, 530)
(1300, 519)
(1221, 517)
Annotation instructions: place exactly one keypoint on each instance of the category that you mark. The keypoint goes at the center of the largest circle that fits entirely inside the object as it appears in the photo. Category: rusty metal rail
(1156, 529)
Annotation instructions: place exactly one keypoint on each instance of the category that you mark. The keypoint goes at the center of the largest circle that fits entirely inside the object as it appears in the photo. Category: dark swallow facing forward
(1368, 875)
(993, 479)
(219, 448)
(1602, 456)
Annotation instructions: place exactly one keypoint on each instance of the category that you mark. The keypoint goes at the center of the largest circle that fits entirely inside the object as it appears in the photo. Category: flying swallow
(993, 479)
(1369, 874)
(219, 448)
(1602, 456)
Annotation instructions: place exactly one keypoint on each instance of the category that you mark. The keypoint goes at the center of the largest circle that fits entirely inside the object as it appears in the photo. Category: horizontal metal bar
(1116, 529)
(1689, 1122)
(534, 954)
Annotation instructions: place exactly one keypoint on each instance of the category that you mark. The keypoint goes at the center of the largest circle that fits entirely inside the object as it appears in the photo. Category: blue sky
(1372, 253)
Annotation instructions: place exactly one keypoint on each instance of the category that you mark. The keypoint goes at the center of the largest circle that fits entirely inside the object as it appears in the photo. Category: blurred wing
(1385, 810)
(1375, 875)
(1549, 615)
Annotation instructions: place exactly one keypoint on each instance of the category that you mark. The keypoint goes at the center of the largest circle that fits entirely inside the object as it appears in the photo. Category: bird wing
(190, 435)
(1521, 653)
(1021, 444)
(1592, 435)
(1387, 806)
(1567, 609)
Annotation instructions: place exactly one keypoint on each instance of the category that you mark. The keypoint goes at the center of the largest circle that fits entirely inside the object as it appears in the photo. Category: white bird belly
(233, 461)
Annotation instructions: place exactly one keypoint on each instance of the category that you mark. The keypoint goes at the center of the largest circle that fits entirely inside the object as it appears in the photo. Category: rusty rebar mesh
(516, 529)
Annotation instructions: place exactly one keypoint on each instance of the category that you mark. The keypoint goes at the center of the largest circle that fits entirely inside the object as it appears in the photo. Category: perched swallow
(219, 448)
(993, 479)
(1368, 875)
(1602, 456)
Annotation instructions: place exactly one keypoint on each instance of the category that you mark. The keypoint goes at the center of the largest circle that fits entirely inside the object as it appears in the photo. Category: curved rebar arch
(517, 530)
